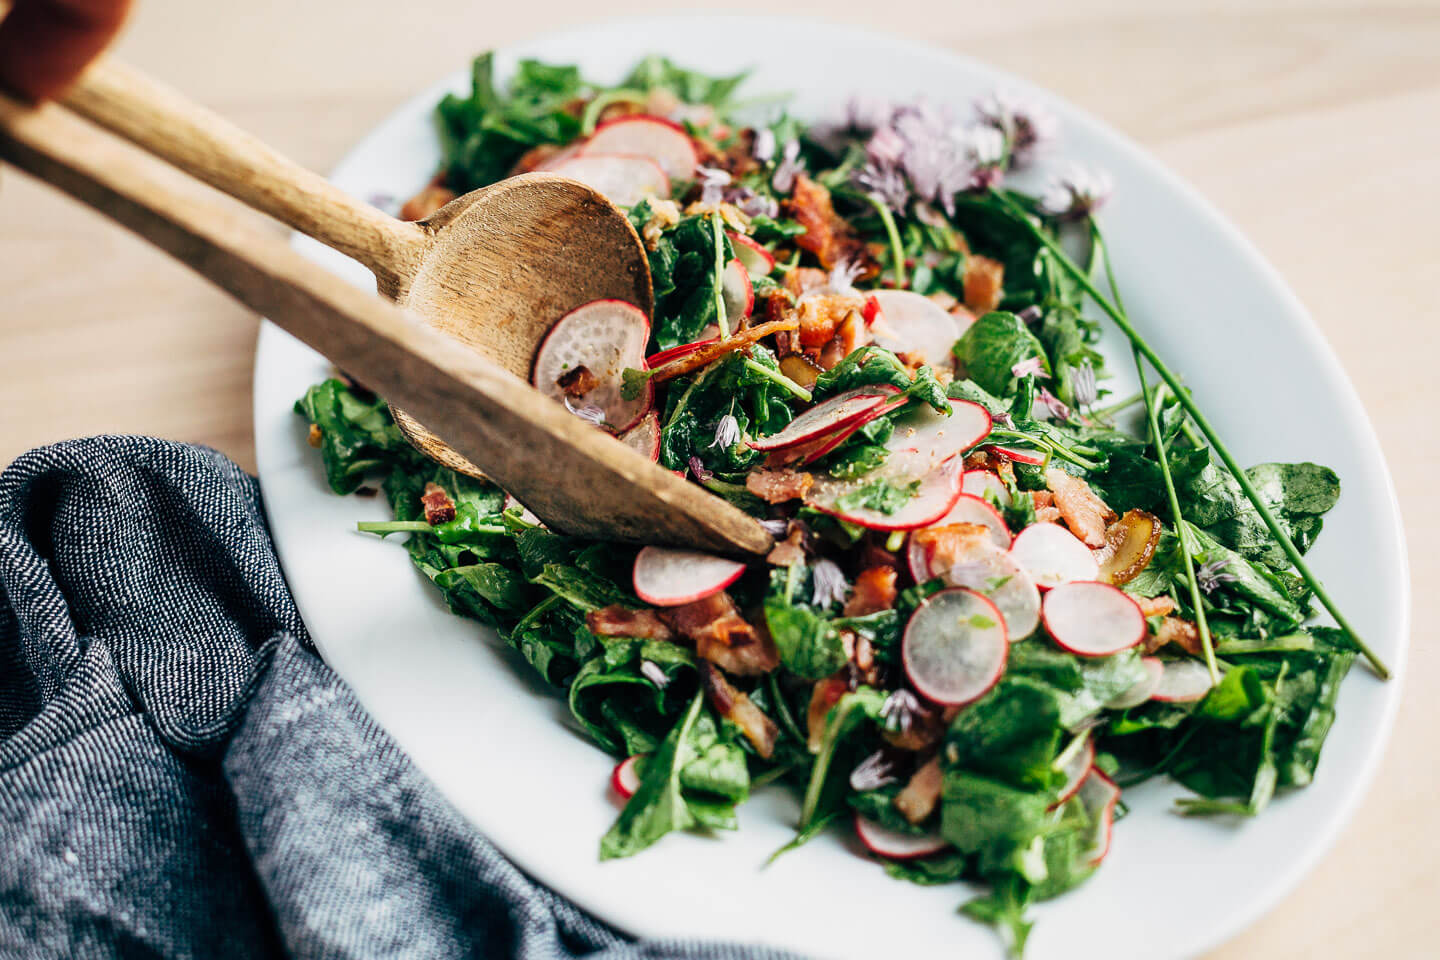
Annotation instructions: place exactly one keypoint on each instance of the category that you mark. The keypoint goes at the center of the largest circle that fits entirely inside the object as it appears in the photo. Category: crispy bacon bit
(985, 459)
(874, 591)
(1085, 514)
(1178, 631)
(947, 544)
(778, 486)
(1155, 606)
(918, 800)
(736, 706)
(664, 214)
(789, 551)
(984, 281)
(926, 729)
(874, 554)
(577, 381)
(721, 635)
(427, 201)
(618, 621)
(827, 235)
(315, 436)
(826, 694)
(802, 280)
(851, 334)
(714, 351)
(439, 508)
(821, 315)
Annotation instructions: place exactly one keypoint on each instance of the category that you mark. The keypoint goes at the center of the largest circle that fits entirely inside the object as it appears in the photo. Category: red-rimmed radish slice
(986, 568)
(1030, 455)
(739, 294)
(1182, 681)
(644, 437)
(894, 845)
(1053, 555)
(914, 324)
(1093, 619)
(825, 418)
(624, 180)
(660, 140)
(938, 489)
(840, 436)
(929, 432)
(1142, 689)
(978, 483)
(605, 336)
(625, 779)
(1099, 794)
(667, 577)
(954, 646)
(971, 509)
(675, 353)
(758, 261)
(1076, 768)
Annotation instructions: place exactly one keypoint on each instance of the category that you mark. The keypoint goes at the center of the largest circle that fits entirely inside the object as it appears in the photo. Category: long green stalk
(720, 319)
(1173, 381)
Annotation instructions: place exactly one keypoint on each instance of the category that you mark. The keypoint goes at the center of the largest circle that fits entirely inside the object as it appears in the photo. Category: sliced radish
(1182, 681)
(1053, 555)
(1030, 455)
(970, 509)
(938, 489)
(667, 577)
(826, 444)
(675, 353)
(916, 325)
(624, 180)
(978, 483)
(986, 568)
(758, 261)
(894, 845)
(929, 432)
(664, 142)
(955, 646)
(644, 437)
(1076, 768)
(739, 294)
(606, 337)
(825, 418)
(624, 778)
(1099, 794)
(1093, 619)
(1142, 689)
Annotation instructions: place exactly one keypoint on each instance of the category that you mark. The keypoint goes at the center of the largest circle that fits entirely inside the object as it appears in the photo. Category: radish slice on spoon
(1093, 619)
(644, 437)
(825, 418)
(606, 337)
(667, 577)
(624, 180)
(1098, 794)
(758, 261)
(978, 483)
(986, 568)
(938, 437)
(737, 291)
(660, 140)
(625, 779)
(935, 490)
(1076, 768)
(954, 646)
(894, 845)
(914, 324)
(1143, 688)
(1053, 555)
(1182, 681)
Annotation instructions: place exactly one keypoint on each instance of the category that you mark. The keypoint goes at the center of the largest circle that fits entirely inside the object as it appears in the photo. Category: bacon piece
(316, 436)
(714, 351)
(427, 201)
(984, 280)
(736, 706)
(778, 486)
(802, 280)
(789, 551)
(925, 730)
(1178, 631)
(874, 591)
(946, 545)
(618, 621)
(821, 316)
(721, 635)
(439, 508)
(919, 797)
(827, 235)
(1155, 606)
(986, 459)
(577, 381)
(849, 336)
(825, 695)
(1085, 514)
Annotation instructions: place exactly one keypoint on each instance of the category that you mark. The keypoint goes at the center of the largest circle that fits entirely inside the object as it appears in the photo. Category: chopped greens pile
(893, 273)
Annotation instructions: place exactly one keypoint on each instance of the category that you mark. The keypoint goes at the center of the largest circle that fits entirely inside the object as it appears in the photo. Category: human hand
(44, 44)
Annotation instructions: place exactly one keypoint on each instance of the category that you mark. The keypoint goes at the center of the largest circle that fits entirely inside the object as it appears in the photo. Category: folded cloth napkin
(181, 775)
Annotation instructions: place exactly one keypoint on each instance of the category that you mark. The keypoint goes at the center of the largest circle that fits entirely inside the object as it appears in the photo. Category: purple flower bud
(900, 710)
(727, 432)
(1211, 575)
(874, 772)
(1076, 194)
(764, 148)
(1030, 367)
(713, 182)
(864, 114)
(752, 204)
(885, 183)
(829, 584)
(651, 671)
(775, 527)
(698, 469)
(1084, 385)
(1030, 314)
(1052, 403)
(885, 147)
(589, 412)
(842, 276)
(1025, 125)
(788, 169)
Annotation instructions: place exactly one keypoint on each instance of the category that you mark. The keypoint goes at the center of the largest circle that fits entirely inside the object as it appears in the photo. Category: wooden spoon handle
(211, 149)
(569, 473)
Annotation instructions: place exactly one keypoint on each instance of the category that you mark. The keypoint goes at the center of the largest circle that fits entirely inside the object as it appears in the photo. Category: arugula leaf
(1004, 909)
(992, 346)
(809, 645)
(355, 432)
(824, 792)
(657, 806)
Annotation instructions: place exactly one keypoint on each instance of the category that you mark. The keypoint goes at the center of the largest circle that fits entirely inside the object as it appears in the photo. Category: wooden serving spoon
(480, 282)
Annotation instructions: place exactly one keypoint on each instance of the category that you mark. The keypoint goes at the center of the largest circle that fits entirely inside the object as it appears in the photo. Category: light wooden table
(1313, 126)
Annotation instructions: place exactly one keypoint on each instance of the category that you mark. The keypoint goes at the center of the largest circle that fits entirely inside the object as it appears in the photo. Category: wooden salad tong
(475, 287)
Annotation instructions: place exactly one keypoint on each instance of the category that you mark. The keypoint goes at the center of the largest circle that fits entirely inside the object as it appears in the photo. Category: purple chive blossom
(775, 527)
(763, 150)
(698, 469)
(1004, 419)
(985, 153)
(1057, 409)
(651, 671)
(1030, 314)
(752, 204)
(1031, 367)
(712, 184)
(900, 710)
(829, 586)
(864, 114)
(1211, 575)
(1084, 385)
(874, 772)
(1025, 125)
(885, 147)
(885, 183)
(1076, 194)
(589, 412)
(790, 167)
(843, 276)
(727, 432)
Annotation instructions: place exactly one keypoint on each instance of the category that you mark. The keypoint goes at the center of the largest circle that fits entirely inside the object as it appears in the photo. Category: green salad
(999, 595)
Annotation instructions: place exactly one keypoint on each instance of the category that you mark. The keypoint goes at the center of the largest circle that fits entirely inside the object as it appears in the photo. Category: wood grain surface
(1312, 125)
